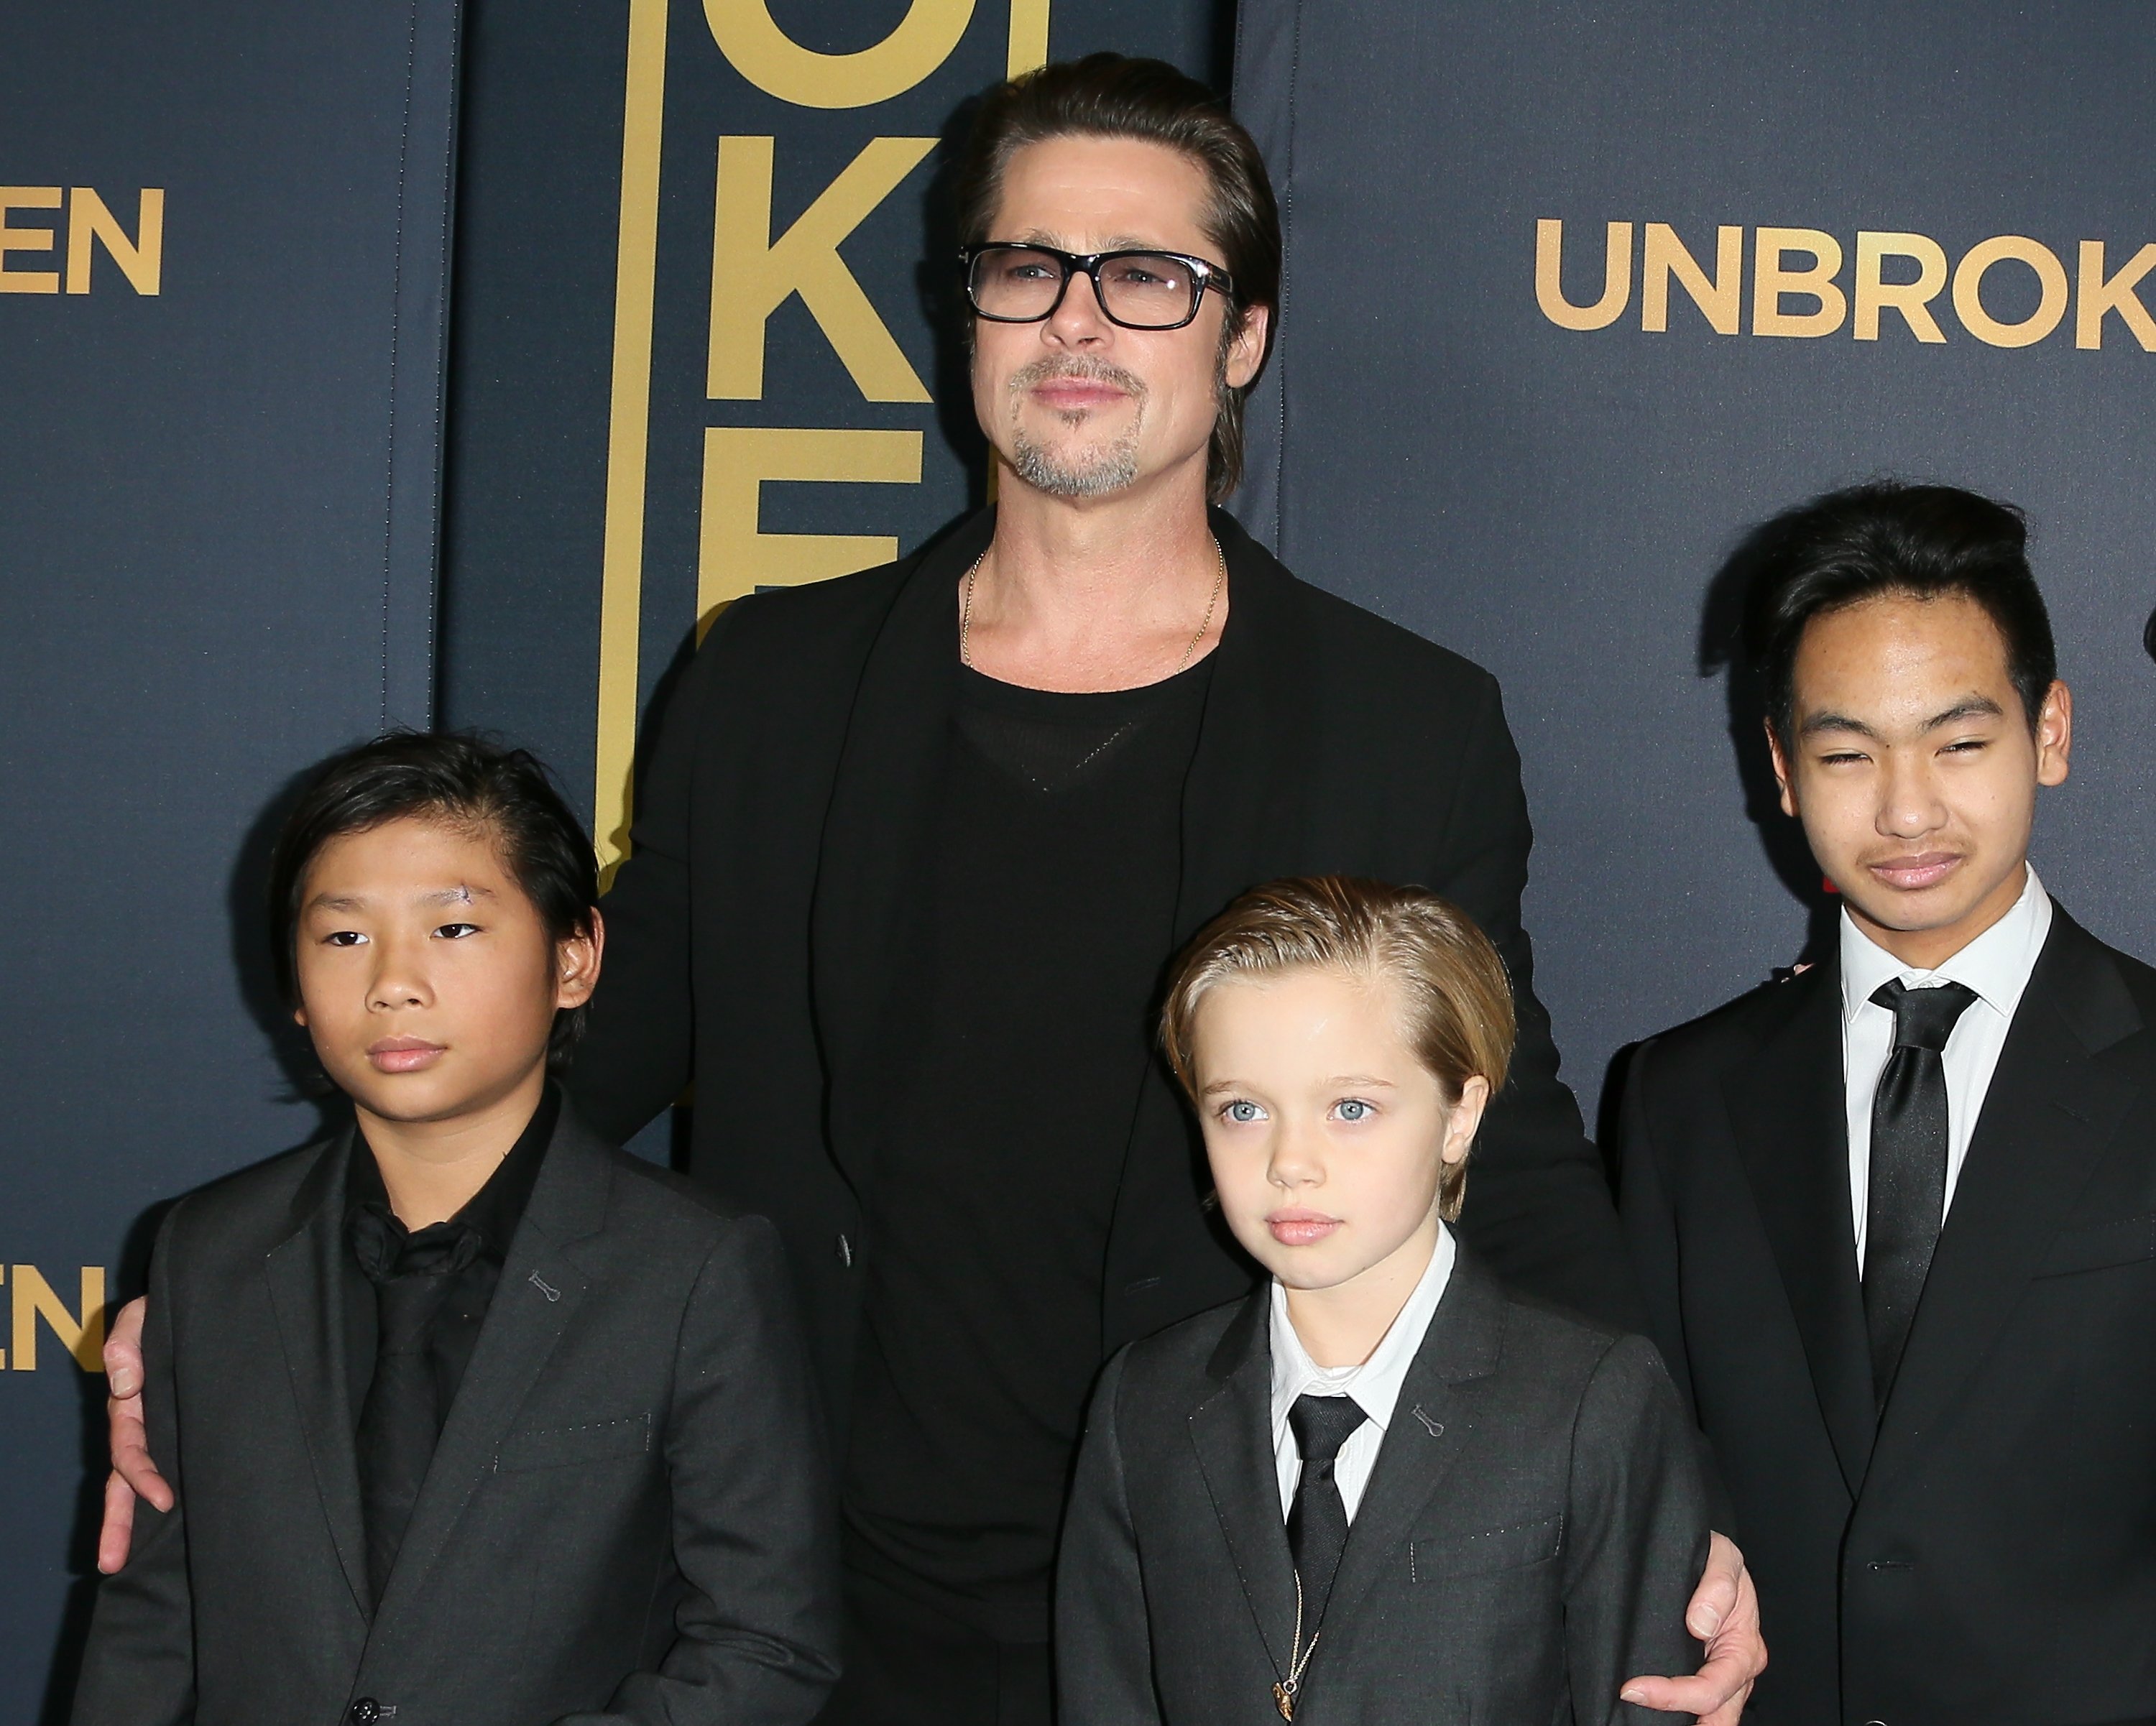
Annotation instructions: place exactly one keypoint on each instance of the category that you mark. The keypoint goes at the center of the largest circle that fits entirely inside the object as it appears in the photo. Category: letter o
(776, 64)
(1969, 283)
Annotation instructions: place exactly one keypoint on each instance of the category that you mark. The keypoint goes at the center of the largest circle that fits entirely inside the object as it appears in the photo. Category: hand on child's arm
(133, 1471)
(1725, 1616)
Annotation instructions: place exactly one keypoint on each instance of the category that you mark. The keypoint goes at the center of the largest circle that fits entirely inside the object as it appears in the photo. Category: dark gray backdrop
(218, 509)
(1556, 503)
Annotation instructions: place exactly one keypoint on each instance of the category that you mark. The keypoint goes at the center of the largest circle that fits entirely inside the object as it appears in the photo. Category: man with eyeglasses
(916, 846)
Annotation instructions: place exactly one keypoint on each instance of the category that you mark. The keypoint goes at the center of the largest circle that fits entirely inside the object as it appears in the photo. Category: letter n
(82, 1336)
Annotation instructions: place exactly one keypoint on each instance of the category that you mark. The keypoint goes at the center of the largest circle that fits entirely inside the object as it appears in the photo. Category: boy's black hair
(1888, 537)
(457, 778)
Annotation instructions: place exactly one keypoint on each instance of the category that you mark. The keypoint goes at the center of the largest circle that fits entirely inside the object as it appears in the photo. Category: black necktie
(1317, 1522)
(1906, 1200)
(402, 1421)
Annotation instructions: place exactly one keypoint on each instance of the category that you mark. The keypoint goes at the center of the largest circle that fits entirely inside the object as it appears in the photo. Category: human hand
(133, 1473)
(1724, 1615)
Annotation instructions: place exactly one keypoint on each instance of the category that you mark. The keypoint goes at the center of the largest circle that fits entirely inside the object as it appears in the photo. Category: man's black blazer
(1528, 1540)
(1986, 1552)
(753, 936)
(628, 1481)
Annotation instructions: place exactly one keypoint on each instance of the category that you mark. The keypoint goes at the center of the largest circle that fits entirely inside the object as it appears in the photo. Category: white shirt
(1375, 1384)
(1996, 966)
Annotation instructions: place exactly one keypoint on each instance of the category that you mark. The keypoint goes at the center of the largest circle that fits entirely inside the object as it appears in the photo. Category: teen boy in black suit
(473, 1421)
(1896, 1218)
(1377, 1489)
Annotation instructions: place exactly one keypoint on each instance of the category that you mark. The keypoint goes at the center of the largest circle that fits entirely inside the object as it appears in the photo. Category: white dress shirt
(1375, 1384)
(1995, 966)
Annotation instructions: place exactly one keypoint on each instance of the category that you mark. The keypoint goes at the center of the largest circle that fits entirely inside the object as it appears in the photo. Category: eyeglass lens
(1143, 289)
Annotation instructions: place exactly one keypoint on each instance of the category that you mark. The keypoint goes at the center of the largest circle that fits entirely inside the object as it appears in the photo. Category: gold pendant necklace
(1285, 1691)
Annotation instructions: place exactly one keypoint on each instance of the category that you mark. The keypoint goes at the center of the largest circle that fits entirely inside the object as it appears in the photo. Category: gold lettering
(1771, 282)
(776, 64)
(141, 259)
(1912, 300)
(27, 239)
(752, 275)
(82, 1337)
(2099, 296)
(1028, 37)
(1968, 287)
(737, 556)
(1664, 255)
(1549, 284)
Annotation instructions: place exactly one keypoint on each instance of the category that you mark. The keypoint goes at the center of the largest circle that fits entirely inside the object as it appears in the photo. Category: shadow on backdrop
(1722, 653)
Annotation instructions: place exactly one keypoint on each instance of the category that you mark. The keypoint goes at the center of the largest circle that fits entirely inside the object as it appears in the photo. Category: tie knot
(1323, 1424)
(1923, 1018)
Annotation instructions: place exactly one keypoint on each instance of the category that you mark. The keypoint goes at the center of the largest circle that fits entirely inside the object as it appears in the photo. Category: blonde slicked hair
(1456, 999)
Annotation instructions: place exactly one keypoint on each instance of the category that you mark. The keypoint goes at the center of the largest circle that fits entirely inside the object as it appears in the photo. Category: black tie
(401, 1421)
(1906, 1202)
(1318, 1522)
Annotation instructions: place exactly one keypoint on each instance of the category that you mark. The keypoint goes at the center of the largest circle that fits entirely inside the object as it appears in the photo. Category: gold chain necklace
(1204, 623)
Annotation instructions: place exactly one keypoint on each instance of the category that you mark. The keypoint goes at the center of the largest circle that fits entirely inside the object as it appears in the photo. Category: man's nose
(1909, 802)
(1079, 319)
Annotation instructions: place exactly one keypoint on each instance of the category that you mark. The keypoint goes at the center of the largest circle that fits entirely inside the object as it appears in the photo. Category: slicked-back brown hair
(1451, 985)
(1111, 95)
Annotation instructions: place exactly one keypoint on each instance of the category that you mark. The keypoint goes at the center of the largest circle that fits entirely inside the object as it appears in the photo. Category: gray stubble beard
(1097, 471)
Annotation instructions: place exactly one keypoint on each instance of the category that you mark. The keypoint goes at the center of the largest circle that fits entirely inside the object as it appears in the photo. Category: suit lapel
(1786, 1108)
(886, 799)
(1432, 1423)
(2048, 1115)
(1232, 1431)
(537, 1298)
(305, 1277)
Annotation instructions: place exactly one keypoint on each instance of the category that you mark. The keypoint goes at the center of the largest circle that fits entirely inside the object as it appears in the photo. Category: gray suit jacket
(626, 1519)
(1528, 1540)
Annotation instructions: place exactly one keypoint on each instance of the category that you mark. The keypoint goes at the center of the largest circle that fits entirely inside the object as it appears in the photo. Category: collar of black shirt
(492, 1212)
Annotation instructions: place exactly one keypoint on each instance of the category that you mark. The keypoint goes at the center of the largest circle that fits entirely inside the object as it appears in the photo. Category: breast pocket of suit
(620, 1439)
(2101, 1247)
(1488, 1552)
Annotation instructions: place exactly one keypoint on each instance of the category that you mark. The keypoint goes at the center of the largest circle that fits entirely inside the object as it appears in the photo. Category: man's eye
(457, 932)
(1242, 1112)
(1836, 760)
(1351, 1108)
(344, 938)
(1967, 747)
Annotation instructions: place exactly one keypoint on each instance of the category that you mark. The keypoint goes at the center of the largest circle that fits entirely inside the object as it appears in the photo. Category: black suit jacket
(753, 937)
(1988, 1551)
(1528, 1539)
(626, 1520)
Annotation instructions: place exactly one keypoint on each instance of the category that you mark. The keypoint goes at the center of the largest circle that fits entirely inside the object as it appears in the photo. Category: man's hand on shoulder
(133, 1473)
(1724, 1615)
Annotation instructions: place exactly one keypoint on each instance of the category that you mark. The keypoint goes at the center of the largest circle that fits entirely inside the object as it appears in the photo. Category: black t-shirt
(1045, 924)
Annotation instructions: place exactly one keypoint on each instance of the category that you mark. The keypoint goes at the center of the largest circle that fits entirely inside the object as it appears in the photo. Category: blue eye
(1351, 1108)
(1242, 1112)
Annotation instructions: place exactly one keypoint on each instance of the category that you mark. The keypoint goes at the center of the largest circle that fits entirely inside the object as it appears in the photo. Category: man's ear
(2055, 734)
(576, 958)
(1246, 351)
(1784, 774)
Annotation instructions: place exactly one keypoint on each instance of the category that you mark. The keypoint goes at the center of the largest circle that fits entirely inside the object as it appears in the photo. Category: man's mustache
(1041, 371)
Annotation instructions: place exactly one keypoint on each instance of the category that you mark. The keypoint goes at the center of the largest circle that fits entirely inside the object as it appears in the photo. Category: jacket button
(366, 1712)
(845, 1248)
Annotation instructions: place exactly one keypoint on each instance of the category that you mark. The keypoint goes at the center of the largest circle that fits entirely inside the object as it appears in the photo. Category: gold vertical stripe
(628, 426)
(1029, 36)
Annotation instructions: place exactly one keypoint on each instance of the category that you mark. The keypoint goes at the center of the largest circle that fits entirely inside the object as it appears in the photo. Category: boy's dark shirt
(464, 1276)
(1038, 949)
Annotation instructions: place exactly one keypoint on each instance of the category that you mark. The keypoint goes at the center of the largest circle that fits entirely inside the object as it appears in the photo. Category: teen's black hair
(458, 778)
(1889, 537)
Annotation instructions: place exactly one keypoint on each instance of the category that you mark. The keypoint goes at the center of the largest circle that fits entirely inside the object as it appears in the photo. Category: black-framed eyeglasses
(1139, 289)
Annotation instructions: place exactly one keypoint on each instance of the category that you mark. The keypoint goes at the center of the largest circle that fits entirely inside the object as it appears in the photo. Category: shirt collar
(1995, 966)
(493, 1211)
(1375, 1384)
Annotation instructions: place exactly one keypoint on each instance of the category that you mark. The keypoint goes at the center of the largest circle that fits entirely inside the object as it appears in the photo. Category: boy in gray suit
(472, 1420)
(1377, 1489)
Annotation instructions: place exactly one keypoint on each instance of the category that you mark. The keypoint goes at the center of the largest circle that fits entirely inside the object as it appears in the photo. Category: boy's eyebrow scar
(463, 894)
